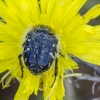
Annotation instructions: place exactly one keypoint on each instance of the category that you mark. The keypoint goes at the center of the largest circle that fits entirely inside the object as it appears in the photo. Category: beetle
(40, 50)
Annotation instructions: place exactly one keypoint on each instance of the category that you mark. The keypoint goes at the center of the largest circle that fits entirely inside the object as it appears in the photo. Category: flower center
(40, 49)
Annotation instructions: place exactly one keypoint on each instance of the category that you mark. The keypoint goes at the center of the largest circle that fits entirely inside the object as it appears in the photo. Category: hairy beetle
(40, 49)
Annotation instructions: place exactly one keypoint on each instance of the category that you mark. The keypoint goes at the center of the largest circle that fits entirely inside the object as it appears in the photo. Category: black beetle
(40, 49)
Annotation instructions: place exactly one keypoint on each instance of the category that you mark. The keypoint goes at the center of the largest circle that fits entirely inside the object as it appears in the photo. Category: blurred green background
(72, 93)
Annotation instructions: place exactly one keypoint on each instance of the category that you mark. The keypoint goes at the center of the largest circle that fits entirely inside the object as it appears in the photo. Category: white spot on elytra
(29, 40)
(28, 49)
(41, 67)
(53, 45)
(51, 55)
(49, 65)
(32, 65)
(25, 59)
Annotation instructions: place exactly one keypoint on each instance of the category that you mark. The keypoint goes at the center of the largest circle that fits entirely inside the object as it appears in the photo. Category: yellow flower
(75, 38)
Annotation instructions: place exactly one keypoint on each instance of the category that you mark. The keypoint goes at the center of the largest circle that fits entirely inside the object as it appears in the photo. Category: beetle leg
(56, 71)
(21, 64)
(61, 54)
